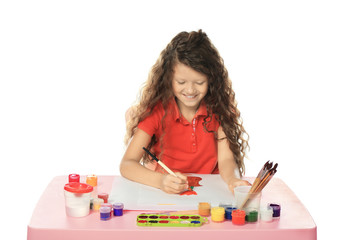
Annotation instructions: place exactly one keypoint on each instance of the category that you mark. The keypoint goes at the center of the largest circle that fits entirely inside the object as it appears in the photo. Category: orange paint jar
(204, 209)
(238, 217)
(92, 180)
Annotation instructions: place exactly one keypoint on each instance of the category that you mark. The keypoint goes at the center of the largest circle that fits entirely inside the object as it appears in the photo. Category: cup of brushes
(249, 196)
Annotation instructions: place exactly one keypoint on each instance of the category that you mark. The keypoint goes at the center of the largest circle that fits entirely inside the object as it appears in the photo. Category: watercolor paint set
(154, 220)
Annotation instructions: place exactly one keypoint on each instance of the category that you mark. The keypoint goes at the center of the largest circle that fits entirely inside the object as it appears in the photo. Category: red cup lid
(74, 177)
(76, 187)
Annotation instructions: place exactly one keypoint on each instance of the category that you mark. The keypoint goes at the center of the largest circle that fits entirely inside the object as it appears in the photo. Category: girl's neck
(187, 112)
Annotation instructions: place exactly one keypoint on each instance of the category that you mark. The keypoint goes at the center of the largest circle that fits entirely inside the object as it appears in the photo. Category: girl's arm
(226, 163)
(132, 169)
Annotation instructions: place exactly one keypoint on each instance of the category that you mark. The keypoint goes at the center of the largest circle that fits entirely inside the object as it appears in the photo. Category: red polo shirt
(187, 147)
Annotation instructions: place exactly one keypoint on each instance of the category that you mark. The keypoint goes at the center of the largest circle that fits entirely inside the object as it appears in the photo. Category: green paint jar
(252, 216)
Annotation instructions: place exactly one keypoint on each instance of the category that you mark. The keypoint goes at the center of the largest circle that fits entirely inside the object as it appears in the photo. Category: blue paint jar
(105, 213)
(276, 209)
(228, 212)
(118, 209)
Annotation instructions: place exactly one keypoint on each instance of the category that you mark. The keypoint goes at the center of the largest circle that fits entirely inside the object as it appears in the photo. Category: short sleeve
(151, 123)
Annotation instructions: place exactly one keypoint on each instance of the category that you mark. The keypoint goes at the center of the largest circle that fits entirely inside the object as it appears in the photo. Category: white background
(70, 69)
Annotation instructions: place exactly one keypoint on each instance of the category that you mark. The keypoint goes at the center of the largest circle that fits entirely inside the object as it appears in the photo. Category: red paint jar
(103, 196)
(238, 217)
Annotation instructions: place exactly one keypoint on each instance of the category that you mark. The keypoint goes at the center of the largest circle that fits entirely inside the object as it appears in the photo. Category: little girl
(188, 117)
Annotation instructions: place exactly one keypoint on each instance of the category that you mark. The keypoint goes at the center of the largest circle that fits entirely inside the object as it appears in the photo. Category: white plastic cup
(241, 193)
(77, 199)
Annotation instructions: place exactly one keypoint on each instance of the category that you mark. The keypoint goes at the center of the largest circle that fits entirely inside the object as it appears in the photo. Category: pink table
(49, 220)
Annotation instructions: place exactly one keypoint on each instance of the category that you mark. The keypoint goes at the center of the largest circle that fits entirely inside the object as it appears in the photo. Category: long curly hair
(195, 50)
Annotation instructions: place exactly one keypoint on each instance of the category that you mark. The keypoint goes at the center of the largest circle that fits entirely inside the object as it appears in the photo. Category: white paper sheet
(136, 196)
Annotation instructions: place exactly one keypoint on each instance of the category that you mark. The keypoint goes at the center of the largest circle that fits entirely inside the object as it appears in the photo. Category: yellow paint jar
(217, 214)
(97, 203)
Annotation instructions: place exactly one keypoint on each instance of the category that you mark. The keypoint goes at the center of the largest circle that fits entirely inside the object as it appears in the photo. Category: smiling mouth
(190, 96)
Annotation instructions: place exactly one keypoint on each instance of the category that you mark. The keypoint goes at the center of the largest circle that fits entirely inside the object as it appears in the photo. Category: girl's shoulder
(156, 112)
(158, 108)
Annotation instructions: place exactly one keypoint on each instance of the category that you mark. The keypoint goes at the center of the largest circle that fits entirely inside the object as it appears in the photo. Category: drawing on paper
(193, 182)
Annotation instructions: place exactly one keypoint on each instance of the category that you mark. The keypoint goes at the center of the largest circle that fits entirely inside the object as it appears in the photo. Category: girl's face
(189, 87)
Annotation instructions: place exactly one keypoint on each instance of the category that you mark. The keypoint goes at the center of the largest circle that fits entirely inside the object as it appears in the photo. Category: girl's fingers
(236, 183)
(182, 177)
(175, 184)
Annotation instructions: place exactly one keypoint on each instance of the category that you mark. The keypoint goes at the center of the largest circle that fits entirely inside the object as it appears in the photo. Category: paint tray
(154, 220)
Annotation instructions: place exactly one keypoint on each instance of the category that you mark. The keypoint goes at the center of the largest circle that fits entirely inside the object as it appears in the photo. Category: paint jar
(251, 215)
(118, 209)
(97, 203)
(228, 212)
(91, 203)
(241, 192)
(266, 214)
(224, 205)
(238, 217)
(74, 177)
(276, 209)
(77, 199)
(103, 196)
(92, 181)
(204, 209)
(217, 214)
(105, 213)
(108, 205)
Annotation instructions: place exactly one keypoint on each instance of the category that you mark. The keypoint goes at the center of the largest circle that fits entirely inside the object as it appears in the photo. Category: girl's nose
(190, 89)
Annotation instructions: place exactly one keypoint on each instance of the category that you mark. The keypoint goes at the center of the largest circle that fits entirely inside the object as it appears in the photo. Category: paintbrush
(264, 176)
(261, 174)
(160, 162)
(266, 179)
(185, 212)
(163, 166)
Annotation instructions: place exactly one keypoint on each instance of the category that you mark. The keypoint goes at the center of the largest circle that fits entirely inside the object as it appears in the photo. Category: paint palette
(153, 220)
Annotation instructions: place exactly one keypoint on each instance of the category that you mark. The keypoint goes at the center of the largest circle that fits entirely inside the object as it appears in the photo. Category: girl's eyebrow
(184, 79)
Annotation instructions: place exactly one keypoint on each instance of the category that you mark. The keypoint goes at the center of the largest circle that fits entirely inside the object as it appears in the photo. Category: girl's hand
(174, 185)
(235, 182)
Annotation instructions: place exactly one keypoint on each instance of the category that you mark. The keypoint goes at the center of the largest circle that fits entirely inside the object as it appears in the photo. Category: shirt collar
(176, 114)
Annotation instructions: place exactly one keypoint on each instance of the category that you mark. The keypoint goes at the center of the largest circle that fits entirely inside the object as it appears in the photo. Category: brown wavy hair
(195, 50)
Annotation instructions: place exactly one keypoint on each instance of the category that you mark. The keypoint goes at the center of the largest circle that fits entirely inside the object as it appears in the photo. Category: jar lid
(98, 201)
(218, 210)
(118, 205)
(103, 195)
(74, 177)
(76, 187)
(238, 213)
(105, 209)
(107, 205)
(266, 210)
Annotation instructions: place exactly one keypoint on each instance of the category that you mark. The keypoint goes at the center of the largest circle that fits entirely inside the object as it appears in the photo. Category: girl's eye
(199, 83)
(181, 82)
